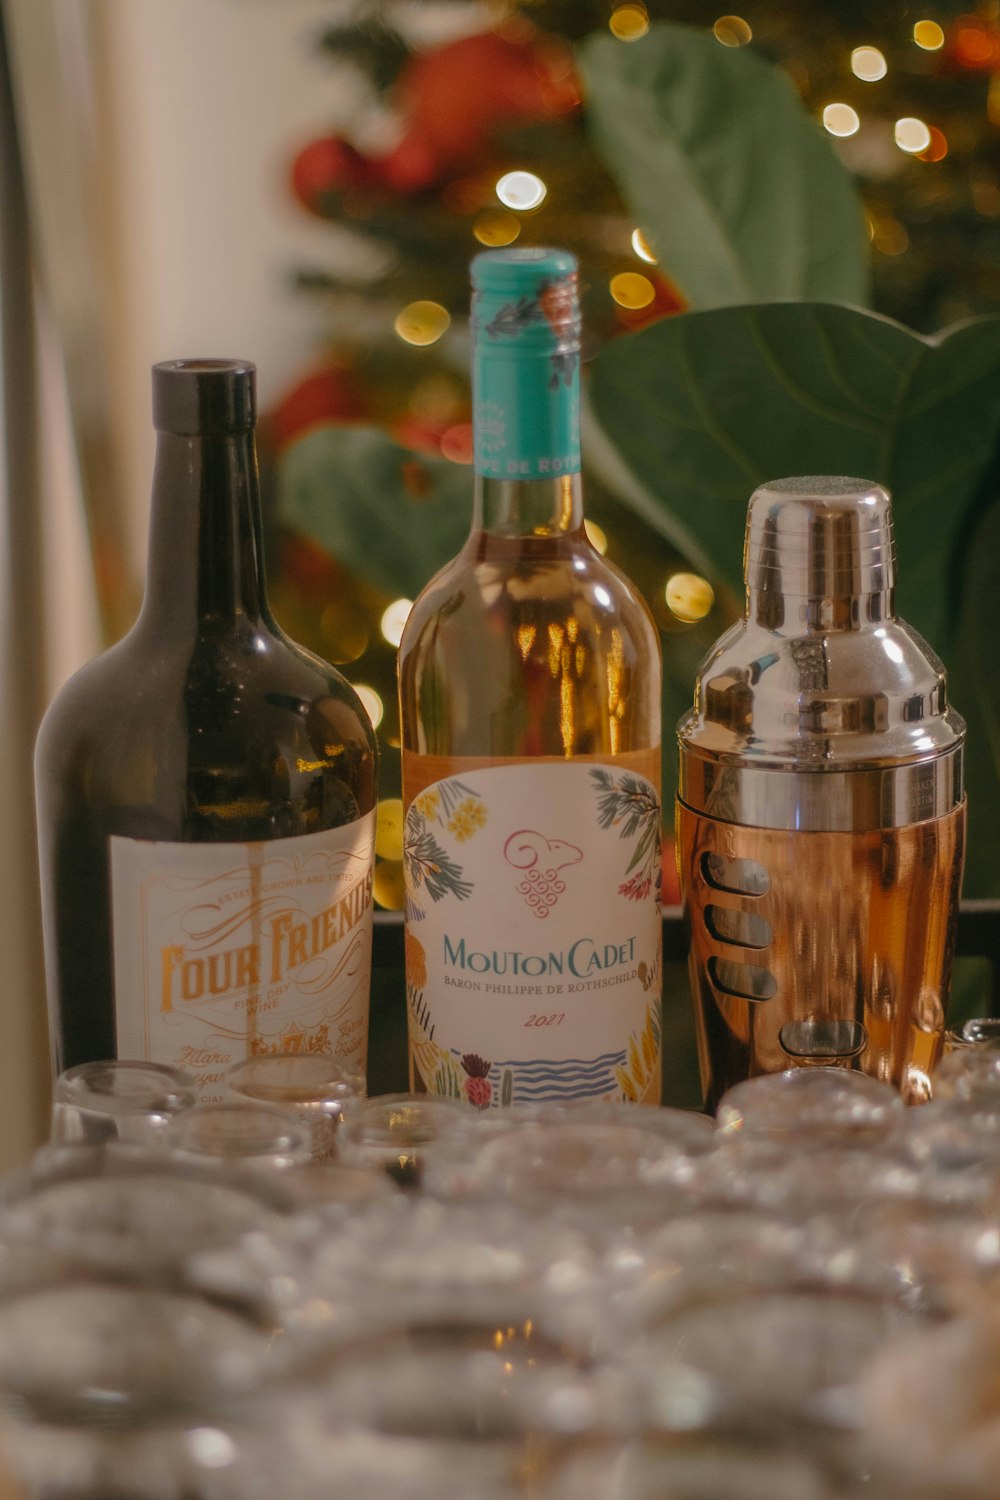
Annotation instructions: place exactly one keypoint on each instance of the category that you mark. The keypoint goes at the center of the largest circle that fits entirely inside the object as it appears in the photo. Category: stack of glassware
(306, 1294)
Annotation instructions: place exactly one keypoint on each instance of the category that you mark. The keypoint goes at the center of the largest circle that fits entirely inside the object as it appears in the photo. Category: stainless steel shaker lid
(820, 537)
(820, 675)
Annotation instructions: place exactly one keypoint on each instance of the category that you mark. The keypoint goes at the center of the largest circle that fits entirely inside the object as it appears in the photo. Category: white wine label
(533, 934)
(224, 951)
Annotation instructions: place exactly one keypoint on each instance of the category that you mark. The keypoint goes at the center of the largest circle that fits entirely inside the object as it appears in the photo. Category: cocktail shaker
(821, 813)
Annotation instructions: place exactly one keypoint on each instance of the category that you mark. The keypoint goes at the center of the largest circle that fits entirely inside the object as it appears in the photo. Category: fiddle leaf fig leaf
(393, 516)
(974, 686)
(736, 187)
(702, 408)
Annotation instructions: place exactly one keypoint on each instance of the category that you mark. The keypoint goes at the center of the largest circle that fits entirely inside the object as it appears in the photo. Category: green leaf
(393, 516)
(738, 189)
(974, 687)
(700, 409)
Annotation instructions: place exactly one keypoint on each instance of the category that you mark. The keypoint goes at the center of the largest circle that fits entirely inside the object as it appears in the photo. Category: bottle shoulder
(238, 716)
(530, 577)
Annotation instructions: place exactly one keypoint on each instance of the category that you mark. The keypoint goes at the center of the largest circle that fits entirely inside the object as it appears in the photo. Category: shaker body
(821, 811)
(822, 948)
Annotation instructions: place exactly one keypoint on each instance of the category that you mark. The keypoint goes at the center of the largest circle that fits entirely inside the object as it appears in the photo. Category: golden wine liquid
(530, 646)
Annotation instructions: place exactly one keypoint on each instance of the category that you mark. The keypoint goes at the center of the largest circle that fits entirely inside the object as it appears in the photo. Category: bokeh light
(929, 35)
(422, 323)
(373, 705)
(496, 228)
(631, 289)
(841, 119)
(938, 148)
(732, 31)
(394, 618)
(641, 246)
(912, 135)
(457, 443)
(629, 22)
(388, 885)
(344, 632)
(868, 64)
(389, 828)
(889, 237)
(521, 190)
(689, 596)
(597, 536)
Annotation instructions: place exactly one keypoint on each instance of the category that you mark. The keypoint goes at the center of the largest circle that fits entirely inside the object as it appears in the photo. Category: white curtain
(48, 618)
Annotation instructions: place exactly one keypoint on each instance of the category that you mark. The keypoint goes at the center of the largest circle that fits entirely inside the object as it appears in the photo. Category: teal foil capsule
(526, 363)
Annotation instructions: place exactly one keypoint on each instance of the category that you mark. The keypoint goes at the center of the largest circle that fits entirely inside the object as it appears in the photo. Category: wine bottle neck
(206, 563)
(526, 393)
(528, 507)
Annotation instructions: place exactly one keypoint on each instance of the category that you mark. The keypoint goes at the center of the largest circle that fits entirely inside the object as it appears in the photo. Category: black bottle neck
(206, 560)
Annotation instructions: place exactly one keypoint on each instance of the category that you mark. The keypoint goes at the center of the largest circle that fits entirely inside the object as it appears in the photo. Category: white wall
(207, 102)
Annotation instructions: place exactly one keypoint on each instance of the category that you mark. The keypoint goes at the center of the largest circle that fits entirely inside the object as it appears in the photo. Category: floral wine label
(224, 951)
(533, 937)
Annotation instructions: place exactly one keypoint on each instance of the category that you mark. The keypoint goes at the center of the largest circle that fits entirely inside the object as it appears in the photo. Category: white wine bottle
(206, 791)
(530, 708)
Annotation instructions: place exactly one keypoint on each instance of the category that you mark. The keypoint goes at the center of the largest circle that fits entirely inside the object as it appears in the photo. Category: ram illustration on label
(235, 950)
(541, 859)
(495, 1017)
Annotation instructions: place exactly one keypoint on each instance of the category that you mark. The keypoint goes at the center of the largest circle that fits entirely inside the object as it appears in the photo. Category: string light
(912, 135)
(928, 35)
(993, 100)
(938, 148)
(521, 190)
(373, 705)
(631, 289)
(496, 227)
(422, 323)
(841, 119)
(890, 237)
(389, 885)
(596, 536)
(344, 633)
(732, 31)
(629, 22)
(868, 64)
(389, 828)
(689, 596)
(457, 443)
(394, 618)
(640, 245)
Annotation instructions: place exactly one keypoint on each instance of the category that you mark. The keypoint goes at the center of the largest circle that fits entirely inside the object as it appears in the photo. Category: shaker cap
(821, 678)
(204, 397)
(820, 537)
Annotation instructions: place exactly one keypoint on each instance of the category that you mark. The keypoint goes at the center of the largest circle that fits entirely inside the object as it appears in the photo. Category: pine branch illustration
(427, 864)
(514, 316)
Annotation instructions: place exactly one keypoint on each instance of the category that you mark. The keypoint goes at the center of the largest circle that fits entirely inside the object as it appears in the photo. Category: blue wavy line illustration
(539, 1095)
(608, 1058)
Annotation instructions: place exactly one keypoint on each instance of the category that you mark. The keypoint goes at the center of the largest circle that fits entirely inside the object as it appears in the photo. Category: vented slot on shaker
(743, 877)
(823, 1038)
(745, 928)
(745, 981)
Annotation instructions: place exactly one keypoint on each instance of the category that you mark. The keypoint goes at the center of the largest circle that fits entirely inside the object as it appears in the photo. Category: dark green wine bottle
(206, 791)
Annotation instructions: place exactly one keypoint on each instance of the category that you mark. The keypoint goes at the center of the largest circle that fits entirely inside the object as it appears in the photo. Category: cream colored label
(533, 934)
(227, 950)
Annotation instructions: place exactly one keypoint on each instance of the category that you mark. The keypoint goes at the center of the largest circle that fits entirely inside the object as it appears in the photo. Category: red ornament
(328, 166)
(973, 45)
(327, 395)
(454, 101)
